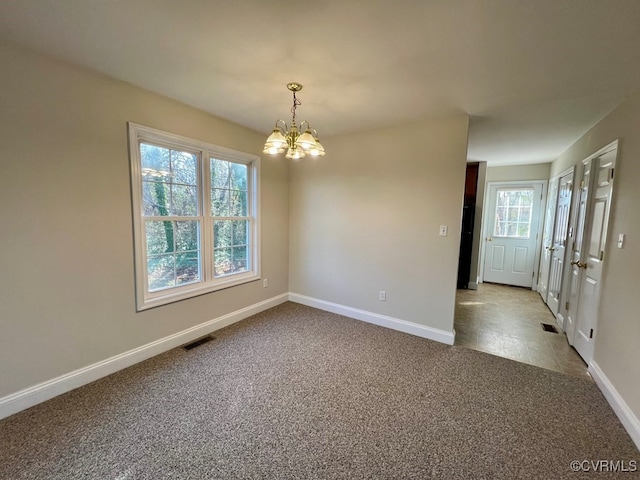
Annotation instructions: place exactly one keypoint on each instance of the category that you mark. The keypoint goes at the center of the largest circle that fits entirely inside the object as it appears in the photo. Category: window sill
(158, 299)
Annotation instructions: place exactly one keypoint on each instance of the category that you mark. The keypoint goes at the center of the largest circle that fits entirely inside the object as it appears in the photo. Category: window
(513, 213)
(195, 216)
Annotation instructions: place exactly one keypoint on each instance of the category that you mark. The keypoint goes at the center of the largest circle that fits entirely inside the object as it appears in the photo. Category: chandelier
(298, 145)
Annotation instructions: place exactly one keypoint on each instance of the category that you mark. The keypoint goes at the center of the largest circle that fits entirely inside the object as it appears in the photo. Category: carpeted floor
(296, 392)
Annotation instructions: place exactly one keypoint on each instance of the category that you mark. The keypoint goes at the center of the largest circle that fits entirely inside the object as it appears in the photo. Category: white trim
(473, 285)
(629, 421)
(41, 392)
(423, 331)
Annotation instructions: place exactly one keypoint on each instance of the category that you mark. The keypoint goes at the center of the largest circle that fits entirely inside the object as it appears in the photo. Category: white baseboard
(629, 420)
(438, 335)
(31, 396)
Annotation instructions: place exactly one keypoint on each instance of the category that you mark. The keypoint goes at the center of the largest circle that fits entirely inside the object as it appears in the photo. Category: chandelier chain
(296, 102)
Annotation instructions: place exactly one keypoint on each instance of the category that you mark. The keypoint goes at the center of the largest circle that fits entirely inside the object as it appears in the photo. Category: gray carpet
(295, 392)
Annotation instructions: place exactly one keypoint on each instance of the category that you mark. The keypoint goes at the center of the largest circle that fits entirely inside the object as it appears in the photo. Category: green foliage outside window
(229, 197)
(170, 189)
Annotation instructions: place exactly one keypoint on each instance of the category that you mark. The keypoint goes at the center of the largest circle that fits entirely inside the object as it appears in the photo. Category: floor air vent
(549, 328)
(198, 342)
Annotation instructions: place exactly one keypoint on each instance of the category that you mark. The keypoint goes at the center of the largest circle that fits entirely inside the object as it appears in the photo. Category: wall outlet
(382, 296)
(265, 283)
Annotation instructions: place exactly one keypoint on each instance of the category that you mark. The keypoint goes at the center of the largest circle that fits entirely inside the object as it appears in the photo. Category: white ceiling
(533, 75)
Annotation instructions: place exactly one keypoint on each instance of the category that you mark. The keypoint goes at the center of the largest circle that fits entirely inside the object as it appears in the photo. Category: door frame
(488, 217)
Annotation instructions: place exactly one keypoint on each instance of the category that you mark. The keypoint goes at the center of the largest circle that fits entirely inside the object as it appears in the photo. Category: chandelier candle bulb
(296, 144)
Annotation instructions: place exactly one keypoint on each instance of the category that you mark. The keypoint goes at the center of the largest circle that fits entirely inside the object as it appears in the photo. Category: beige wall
(617, 341)
(366, 218)
(537, 171)
(67, 282)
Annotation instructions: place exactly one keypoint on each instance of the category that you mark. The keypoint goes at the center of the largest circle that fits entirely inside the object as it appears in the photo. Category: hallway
(506, 321)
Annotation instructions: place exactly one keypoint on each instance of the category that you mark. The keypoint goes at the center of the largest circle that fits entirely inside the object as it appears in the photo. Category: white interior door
(559, 242)
(511, 233)
(576, 254)
(593, 248)
(547, 239)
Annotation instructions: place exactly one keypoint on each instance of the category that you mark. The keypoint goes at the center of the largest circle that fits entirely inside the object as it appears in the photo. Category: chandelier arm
(282, 126)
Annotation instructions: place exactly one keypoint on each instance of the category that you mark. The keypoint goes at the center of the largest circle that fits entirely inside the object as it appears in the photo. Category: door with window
(512, 232)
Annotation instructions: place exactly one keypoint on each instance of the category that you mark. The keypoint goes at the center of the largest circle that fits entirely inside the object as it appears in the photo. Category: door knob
(489, 239)
(579, 264)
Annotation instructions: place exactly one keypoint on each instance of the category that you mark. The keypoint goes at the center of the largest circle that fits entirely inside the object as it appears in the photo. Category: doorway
(512, 233)
(467, 230)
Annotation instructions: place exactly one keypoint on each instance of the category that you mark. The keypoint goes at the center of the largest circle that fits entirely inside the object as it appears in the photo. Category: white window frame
(146, 299)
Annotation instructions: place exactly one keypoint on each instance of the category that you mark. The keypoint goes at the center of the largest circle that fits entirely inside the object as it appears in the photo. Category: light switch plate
(620, 240)
(444, 230)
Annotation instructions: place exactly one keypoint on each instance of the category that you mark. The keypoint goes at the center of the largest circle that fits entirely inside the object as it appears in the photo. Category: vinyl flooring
(506, 321)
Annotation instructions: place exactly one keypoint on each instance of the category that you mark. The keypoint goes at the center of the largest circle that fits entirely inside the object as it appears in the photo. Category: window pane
(513, 213)
(169, 181)
(184, 168)
(219, 202)
(156, 162)
(222, 233)
(222, 261)
(155, 199)
(238, 176)
(238, 206)
(187, 268)
(523, 230)
(160, 237)
(184, 200)
(240, 232)
(186, 237)
(220, 173)
(240, 256)
(161, 272)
